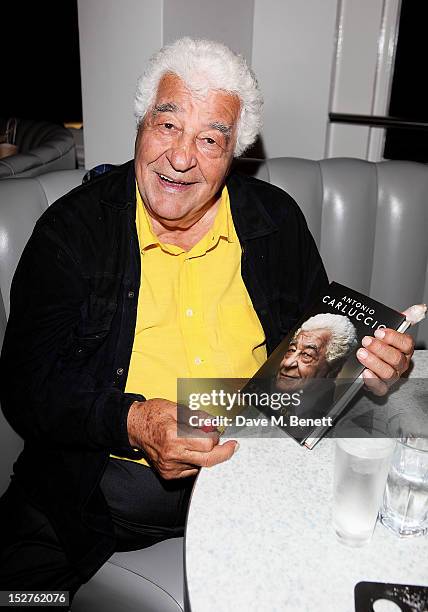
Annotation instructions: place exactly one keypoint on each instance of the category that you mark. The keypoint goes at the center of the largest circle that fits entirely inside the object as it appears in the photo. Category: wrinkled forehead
(174, 95)
(316, 338)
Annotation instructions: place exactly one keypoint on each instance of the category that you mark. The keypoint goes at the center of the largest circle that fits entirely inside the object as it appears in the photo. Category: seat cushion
(147, 580)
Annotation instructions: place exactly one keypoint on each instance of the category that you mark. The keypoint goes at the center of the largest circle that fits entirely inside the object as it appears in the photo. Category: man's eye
(210, 141)
(168, 126)
(307, 356)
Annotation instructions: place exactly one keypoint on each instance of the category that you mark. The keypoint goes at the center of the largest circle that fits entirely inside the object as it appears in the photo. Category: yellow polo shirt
(195, 318)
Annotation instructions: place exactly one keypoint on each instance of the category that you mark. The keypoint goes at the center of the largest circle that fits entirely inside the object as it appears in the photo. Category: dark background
(40, 61)
(409, 93)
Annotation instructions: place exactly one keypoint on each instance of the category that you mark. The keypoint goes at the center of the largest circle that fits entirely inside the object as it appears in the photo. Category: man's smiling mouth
(168, 180)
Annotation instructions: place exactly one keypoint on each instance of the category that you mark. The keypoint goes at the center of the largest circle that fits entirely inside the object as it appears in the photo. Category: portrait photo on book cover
(312, 360)
(318, 349)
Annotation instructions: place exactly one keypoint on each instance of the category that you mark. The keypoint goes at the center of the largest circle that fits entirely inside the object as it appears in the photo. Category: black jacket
(69, 337)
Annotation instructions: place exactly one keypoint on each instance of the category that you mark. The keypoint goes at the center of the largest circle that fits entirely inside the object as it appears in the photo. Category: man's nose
(182, 155)
(290, 362)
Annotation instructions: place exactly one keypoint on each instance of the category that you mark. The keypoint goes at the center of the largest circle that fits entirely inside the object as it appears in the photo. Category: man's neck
(186, 238)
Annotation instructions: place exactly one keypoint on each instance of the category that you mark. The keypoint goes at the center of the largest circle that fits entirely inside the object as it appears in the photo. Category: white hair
(205, 65)
(343, 334)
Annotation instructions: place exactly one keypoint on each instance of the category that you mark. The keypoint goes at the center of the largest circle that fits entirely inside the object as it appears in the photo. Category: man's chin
(167, 210)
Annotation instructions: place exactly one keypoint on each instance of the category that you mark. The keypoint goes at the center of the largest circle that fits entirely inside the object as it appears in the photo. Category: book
(314, 373)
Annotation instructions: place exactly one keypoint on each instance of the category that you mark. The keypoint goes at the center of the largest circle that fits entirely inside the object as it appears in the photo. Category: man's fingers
(379, 367)
(179, 470)
(220, 453)
(374, 384)
(187, 473)
(190, 460)
(184, 430)
(196, 421)
(197, 439)
(173, 455)
(386, 357)
(387, 360)
(184, 414)
(403, 342)
(384, 360)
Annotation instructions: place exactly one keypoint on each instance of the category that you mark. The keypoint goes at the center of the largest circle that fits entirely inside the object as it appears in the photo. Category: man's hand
(386, 357)
(152, 427)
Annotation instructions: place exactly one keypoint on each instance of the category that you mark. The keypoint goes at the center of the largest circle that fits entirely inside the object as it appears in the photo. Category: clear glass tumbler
(361, 468)
(405, 502)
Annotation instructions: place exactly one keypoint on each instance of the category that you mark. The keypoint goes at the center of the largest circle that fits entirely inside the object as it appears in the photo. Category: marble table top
(259, 534)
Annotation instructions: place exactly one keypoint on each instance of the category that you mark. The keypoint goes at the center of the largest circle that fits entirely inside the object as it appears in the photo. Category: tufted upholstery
(43, 147)
(369, 221)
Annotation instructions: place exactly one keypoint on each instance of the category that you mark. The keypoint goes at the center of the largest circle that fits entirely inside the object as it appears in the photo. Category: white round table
(259, 534)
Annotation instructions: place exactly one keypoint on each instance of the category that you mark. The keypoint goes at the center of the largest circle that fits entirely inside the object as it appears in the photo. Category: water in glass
(361, 468)
(405, 503)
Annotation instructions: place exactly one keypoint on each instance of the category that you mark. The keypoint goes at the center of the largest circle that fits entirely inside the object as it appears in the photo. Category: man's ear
(140, 128)
(143, 121)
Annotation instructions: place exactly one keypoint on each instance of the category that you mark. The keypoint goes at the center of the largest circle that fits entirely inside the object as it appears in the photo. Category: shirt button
(198, 360)
(119, 371)
(189, 312)
(131, 294)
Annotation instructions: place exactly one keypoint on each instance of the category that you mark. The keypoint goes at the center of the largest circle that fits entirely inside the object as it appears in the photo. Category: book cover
(314, 371)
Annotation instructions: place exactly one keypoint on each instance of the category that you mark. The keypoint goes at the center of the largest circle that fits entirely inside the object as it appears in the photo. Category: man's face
(305, 359)
(183, 152)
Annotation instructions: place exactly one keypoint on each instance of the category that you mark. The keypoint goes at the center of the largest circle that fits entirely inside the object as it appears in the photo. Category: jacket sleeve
(46, 393)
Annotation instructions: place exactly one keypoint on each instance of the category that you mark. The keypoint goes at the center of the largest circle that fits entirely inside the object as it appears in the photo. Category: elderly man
(318, 349)
(168, 266)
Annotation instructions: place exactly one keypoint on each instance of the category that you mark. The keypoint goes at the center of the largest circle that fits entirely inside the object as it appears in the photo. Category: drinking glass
(361, 469)
(405, 502)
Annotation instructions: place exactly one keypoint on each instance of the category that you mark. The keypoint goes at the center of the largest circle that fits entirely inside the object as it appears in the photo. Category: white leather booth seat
(42, 147)
(149, 580)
